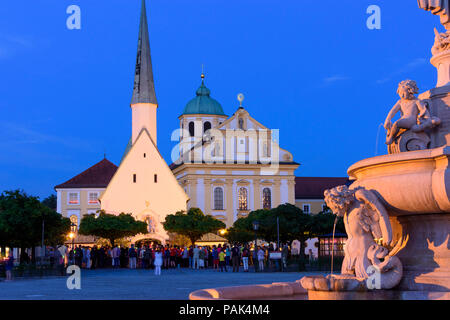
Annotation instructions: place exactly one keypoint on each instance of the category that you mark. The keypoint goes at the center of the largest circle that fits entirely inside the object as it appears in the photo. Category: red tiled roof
(313, 187)
(97, 176)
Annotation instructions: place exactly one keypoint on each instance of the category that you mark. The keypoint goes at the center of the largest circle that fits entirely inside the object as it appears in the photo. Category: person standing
(261, 256)
(79, 257)
(196, 253)
(228, 256)
(185, 257)
(222, 261)
(158, 262)
(191, 257)
(235, 258)
(201, 258)
(215, 257)
(88, 258)
(9, 265)
(132, 256)
(116, 257)
(245, 254)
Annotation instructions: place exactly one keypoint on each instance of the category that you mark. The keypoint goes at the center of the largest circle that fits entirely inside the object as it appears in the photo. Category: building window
(134, 178)
(267, 198)
(306, 208)
(191, 129)
(243, 199)
(218, 198)
(73, 223)
(155, 178)
(206, 126)
(74, 198)
(93, 197)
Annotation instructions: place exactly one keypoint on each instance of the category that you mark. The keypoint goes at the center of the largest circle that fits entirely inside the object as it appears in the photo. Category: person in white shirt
(158, 262)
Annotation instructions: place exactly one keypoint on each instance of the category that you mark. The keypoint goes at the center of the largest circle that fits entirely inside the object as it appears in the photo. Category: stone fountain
(397, 211)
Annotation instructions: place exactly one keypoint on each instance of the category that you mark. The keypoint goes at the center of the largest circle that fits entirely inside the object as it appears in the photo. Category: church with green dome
(230, 165)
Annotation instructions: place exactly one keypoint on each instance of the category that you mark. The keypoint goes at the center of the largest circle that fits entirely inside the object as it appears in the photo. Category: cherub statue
(367, 249)
(367, 225)
(414, 113)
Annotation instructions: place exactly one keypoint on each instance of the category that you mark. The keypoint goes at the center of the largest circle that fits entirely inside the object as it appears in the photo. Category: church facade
(230, 166)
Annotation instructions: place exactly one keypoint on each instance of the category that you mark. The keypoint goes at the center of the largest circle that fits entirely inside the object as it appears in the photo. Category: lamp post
(72, 234)
(255, 253)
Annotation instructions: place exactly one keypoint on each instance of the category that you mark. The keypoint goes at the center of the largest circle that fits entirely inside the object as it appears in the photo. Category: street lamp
(255, 254)
(72, 234)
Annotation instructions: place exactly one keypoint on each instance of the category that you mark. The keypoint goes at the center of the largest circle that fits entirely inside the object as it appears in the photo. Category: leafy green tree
(50, 202)
(21, 219)
(240, 232)
(323, 222)
(193, 224)
(111, 227)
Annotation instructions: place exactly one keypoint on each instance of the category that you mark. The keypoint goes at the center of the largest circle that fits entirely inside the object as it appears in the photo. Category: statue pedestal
(442, 63)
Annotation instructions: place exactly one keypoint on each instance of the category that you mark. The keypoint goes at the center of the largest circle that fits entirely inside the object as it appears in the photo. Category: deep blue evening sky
(309, 68)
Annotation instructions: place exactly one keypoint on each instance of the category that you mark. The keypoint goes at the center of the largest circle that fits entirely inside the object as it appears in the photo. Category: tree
(111, 227)
(21, 219)
(193, 224)
(50, 202)
(323, 222)
(239, 232)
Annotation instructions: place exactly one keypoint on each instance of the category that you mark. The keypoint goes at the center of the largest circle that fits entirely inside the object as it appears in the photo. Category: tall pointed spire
(144, 87)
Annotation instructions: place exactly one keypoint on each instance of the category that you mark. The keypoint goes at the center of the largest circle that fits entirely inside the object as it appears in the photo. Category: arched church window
(73, 223)
(151, 225)
(191, 129)
(267, 198)
(243, 199)
(218, 198)
(206, 126)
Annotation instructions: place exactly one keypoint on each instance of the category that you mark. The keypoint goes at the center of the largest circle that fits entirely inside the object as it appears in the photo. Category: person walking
(235, 256)
(261, 256)
(245, 254)
(158, 262)
(132, 256)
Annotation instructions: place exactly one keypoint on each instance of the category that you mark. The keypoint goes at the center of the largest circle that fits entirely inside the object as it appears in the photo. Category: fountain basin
(415, 188)
(415, 182)
(274, 291)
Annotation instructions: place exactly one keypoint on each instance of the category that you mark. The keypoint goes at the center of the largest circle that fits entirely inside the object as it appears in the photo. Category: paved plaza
(124, 284)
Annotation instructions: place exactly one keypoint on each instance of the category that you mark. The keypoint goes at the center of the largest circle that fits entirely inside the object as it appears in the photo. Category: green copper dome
(203, 103)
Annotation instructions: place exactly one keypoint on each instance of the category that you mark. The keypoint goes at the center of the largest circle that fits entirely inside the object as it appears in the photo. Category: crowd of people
(154, 256)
